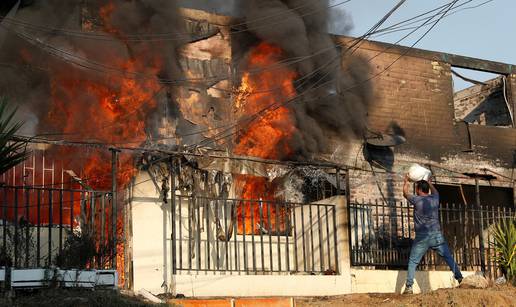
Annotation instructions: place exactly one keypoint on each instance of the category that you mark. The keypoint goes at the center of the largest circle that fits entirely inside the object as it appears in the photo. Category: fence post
(481, 228)
(348, 208)
(114, 218)
(173, 213)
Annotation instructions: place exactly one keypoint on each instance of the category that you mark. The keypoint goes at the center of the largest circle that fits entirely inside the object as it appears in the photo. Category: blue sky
(486, 32)
(483, 32)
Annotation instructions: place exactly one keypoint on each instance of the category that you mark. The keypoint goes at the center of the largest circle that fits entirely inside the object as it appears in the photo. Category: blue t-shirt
(426, 213)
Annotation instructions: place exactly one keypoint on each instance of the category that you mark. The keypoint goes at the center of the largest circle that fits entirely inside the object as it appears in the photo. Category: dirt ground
(73, 298)
(503, 296)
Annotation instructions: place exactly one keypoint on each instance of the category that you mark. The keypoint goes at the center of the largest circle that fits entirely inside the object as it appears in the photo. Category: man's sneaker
(459, 280)
(408, 290)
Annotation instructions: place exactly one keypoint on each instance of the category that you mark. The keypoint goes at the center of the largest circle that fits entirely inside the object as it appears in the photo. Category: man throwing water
(428, 229)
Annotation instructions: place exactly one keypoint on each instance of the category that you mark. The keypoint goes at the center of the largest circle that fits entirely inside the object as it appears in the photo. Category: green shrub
(504, 244)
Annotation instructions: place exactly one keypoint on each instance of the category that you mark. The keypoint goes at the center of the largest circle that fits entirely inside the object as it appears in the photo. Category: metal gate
(253, 236)
(381, 235)
(36, 223)
(43, 207)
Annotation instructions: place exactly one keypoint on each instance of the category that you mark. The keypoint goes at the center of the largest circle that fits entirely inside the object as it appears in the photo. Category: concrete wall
(150, 244)
(359, 281)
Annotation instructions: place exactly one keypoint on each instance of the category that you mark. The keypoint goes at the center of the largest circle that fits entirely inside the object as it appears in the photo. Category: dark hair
(423, 186)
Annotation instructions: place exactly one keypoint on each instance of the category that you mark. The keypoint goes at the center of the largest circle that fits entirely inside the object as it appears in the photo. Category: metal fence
(36, 222)
(253, 236)
(381, 235)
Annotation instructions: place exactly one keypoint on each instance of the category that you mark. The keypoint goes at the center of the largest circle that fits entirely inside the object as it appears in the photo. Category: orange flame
(265, 88)
(267, 85)
(108, 108)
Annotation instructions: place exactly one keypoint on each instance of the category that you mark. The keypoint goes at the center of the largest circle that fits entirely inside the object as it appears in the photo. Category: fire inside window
(262, 212)
(265, 218)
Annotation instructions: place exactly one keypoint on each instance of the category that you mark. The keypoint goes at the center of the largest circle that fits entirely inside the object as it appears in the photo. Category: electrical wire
(372, 29)
(442, 13)
(102, 68)
(176, 36)
(401, 26)
(504, 79)
(275, 106)
(65, 54)
(448, 7)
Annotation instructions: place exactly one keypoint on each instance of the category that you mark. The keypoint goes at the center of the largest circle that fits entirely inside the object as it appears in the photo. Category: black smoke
(333, 92)
(46, 38)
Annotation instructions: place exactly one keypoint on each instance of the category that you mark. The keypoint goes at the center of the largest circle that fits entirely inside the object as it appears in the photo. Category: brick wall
(483, 104)
(416, 94)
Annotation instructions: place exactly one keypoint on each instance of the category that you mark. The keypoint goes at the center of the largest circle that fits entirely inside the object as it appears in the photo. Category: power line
(399, 28)
(166, 36)
(102, 68)
(275, 106)
(391, 65)
(450, 5)
(372, 29)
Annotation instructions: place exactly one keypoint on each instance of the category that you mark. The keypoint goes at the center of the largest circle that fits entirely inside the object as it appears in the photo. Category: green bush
(504, 244)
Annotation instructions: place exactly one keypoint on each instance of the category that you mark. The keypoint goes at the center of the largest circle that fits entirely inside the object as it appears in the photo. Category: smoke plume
(333, 97)
(52, 72)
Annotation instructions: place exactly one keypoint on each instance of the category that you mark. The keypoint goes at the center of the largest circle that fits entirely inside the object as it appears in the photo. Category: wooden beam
(452, 59)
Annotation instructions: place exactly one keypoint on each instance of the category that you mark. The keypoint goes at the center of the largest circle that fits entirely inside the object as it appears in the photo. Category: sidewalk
(234, 302)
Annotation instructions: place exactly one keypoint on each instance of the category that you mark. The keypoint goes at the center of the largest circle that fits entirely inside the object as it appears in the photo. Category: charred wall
(416, 94)
(414, 98)
(484, 104)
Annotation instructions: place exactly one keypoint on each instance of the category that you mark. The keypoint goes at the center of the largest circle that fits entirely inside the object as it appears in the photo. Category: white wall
(151, 244)
(151, 230)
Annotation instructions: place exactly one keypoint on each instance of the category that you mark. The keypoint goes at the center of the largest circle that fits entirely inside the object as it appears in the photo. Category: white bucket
(417, 172)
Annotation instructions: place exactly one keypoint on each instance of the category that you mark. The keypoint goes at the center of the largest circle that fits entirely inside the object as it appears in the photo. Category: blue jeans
(435, 241)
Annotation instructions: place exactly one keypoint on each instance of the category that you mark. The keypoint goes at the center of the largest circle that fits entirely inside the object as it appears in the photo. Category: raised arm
(406, 187)
(432, 187)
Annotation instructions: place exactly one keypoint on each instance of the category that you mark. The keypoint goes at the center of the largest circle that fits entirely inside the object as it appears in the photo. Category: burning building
(246, 159)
